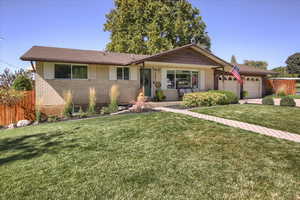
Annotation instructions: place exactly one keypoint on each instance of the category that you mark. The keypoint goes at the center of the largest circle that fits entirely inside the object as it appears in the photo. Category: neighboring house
(61, 69)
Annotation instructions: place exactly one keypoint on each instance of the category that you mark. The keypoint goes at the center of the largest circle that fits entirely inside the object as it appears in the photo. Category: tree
(257, 64)
(151, 26)
(8, 77)
(22, 83)
(293, 64)
(233, 60)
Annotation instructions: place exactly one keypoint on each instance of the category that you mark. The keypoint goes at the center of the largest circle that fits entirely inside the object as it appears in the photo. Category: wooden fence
(25, 109)
(289, 86)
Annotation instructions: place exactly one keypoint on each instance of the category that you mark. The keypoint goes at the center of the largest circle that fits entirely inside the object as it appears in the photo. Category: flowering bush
(204, 99)
(139, 105)
(10, 97)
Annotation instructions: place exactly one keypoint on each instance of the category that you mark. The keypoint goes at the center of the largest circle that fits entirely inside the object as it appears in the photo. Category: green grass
(276, 117)
(296, 96)
(145, 156)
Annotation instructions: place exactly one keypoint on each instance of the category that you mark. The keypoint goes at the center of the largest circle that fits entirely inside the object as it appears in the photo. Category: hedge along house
(59, 69)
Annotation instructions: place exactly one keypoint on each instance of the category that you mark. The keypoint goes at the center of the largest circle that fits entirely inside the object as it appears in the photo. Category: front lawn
(146, 156)
(276, 117)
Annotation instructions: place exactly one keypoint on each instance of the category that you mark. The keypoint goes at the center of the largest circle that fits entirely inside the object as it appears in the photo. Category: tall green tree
(233, 60)
(257, 64)
(293, 64)
(152, 26)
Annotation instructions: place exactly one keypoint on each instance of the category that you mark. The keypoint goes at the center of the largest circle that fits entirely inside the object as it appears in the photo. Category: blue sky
(250, 29)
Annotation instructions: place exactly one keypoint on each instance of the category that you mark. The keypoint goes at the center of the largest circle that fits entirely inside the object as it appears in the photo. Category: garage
(252, 84)
(229, 83)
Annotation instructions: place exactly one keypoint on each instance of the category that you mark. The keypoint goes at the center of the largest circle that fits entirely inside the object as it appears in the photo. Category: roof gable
(184, 56)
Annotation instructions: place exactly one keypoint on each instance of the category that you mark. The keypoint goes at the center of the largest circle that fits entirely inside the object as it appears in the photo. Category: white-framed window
(182, 79)
(70, 71)
(123, 73)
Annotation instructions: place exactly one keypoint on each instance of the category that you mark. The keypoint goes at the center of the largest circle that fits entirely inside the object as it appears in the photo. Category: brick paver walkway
(237, 124)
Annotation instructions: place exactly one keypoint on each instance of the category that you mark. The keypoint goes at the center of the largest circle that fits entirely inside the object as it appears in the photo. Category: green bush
(81, 113)
(287, 101)
(52, 118)
(22, 83)
(111, 108)
(268, 100)
(245, 94)
(231, 98)
(159, 95)
(204, 99)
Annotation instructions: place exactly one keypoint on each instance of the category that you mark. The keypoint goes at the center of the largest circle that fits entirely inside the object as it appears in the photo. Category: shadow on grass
(30, 146)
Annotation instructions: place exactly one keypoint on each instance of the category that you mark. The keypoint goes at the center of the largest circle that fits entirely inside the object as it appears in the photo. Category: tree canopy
(257, 64)
(233, 60)
(152, 26)
(7, 77)
(293, 64)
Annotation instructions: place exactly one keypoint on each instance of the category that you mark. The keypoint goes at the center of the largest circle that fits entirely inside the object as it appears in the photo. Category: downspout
(32, 65)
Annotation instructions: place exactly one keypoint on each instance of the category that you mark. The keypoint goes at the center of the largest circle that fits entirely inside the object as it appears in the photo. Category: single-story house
(190, 66)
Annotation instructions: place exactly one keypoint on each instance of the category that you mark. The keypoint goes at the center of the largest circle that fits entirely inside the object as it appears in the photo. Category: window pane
(120, 73)
(126, 73)
(62, 71)
(79, 72)
(170, 79)
(195, 79)
(183, 79)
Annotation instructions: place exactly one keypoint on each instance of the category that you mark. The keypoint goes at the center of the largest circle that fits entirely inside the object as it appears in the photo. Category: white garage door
(229, 84)
(253, 85)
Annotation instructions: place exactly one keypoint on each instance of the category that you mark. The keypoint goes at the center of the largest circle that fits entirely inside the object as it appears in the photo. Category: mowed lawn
(276, 117)
(146, 156)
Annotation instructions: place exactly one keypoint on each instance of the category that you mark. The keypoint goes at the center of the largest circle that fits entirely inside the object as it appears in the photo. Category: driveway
(259, 101)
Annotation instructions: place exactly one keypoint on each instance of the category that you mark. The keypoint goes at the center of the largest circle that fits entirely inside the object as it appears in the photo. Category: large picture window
(123, 73)
(182, 79)
(68, 71)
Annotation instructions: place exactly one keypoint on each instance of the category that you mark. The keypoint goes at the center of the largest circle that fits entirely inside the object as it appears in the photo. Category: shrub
(22, 83)
(159, 95)
(203, 99)
(268, 100)
(245, 94)
(287, 101)
(68, 107)
(92, 101)
(113, 106)
(114, 95)
(52, 118)
(81, 113)
(231, 98)
(10, 96)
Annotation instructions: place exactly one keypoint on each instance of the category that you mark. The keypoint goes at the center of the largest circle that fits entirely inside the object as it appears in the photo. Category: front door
(145, 80)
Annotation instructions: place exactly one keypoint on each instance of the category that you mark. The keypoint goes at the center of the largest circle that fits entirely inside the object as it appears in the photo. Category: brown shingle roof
(248, 70)
(54, 54)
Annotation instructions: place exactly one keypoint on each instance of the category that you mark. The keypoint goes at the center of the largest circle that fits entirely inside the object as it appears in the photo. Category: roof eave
(69, 61)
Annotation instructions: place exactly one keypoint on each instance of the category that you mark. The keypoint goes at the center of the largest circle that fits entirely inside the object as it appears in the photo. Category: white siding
(112, 73)
(49, 70)
(133, 73)
(202, 80)
(91, 72)
(163, 78)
